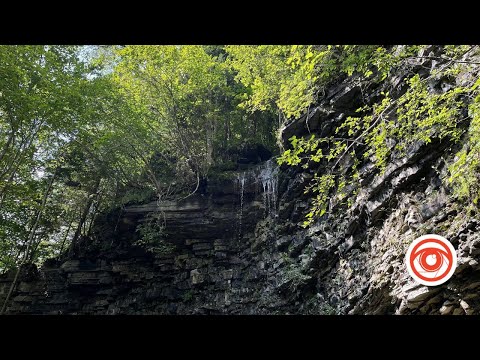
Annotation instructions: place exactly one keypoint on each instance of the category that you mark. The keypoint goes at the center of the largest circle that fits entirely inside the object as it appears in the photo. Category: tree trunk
(209, 141)
(31, 238)
(65, 237)
(3, 193)
(85, 212)
(94, 216)
(16, 162)
(226, 138)
(7, 145)
(34, 249)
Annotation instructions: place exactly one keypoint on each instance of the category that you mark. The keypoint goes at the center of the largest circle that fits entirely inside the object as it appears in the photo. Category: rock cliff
(239, 247)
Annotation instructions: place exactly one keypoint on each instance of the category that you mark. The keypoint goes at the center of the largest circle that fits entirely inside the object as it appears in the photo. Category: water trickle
(241, 182)
(268, 176)
(265, 174)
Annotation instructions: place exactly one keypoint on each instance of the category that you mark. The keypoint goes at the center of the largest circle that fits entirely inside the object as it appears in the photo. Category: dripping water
(266, 175)
(269, 178)
(241, 182)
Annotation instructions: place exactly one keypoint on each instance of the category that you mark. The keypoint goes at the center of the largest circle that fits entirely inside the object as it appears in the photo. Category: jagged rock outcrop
(240, 249)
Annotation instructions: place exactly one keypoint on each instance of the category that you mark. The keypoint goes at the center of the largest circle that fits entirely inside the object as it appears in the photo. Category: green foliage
(310, 151)
(292, 274)
(327, 309)
(388, 127)
(185, 97)
(424, 114)
(188, 296)
(261, 69)
(137, 196)
(282, 77)
(321, 186)
(456, 51)
(46, 99)
(288, 78)
(465, 170)
(152, 235)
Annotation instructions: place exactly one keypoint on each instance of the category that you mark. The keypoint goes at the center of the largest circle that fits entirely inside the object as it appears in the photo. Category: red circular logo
(431, 260)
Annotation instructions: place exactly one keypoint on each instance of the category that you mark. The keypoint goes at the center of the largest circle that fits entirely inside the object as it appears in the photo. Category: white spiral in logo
(431, 260)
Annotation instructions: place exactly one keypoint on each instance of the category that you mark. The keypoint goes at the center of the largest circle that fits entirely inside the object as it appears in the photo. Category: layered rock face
(209, 271)
(240, 249)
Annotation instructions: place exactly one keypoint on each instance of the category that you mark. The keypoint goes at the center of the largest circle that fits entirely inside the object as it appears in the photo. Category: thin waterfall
(268, 175)
(241, 182)
(265, 174)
